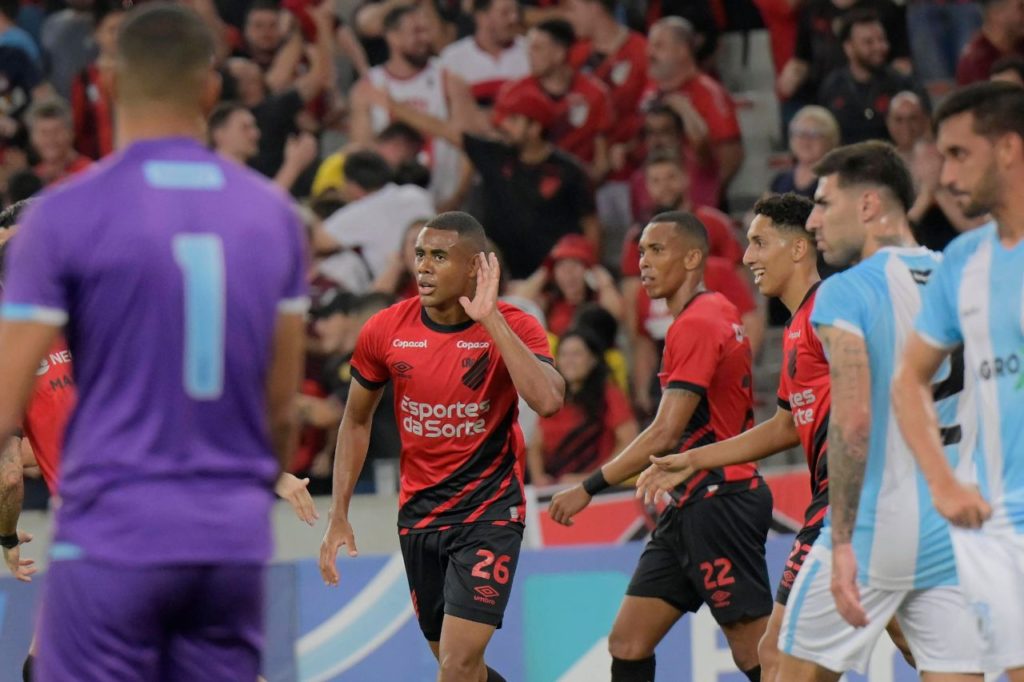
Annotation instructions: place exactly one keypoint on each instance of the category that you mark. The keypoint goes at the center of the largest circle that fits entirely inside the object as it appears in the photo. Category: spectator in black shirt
(859, 93)
(533, 193)
(819, 51)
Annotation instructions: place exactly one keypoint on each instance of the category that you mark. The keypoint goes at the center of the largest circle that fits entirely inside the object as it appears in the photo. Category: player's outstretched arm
(674, 412)
(283, 382)
(849, 432)
(767, 438)
(349, 457)
(540, 384)
(913, 403)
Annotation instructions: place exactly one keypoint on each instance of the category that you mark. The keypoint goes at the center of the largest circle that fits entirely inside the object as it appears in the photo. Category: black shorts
(710, 552)
(464, 571)
(801, 546)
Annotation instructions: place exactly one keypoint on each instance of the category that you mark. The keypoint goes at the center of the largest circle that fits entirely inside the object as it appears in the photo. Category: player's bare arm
(349, 457)
(22, 345)
(915, 411)
(12, 492)
(283, 382)
(540, 384)
(674, 412)
(767, 438)
(849, 432)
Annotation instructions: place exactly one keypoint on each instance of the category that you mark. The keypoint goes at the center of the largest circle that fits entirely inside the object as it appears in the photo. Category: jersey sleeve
(938, 322)
(529, 331)
(782, 394)
(841, 303)
(692, 353)
(295, 294)
(38, 272)
(369, 361)
(716, 107)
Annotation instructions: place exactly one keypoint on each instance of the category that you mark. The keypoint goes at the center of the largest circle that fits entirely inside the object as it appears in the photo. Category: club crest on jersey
(578, 111)
(477, 372)
(620, 72)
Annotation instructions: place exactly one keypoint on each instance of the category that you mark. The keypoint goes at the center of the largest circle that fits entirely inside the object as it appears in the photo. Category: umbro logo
(486, 591)
(402, 369)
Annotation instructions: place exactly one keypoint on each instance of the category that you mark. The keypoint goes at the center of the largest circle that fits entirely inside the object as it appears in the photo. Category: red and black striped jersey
(707, 353)
(456, 409)
(804, 390)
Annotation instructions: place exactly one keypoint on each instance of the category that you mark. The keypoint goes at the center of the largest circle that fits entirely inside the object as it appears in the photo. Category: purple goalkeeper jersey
(169, 267)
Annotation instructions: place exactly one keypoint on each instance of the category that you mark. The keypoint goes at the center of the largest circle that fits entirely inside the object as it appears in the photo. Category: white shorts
(991, 569)
(937, 623)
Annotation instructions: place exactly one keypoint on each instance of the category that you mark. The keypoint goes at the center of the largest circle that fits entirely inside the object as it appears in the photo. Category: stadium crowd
(563, 126)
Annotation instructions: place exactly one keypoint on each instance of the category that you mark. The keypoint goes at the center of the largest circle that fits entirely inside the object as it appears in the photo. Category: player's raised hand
(844, 586)
(567, 504)
(22, 569)
(962, 505)
(339, 533)
(295, 491)
(488, 281)
(664, 474)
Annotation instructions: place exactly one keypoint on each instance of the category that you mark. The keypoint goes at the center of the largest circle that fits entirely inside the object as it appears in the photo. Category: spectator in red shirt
(618, 57)
(1001, 35)
(676, 80)
(569, 278)
(582, 105)
(91, 100)
(593, 426)
(52, 137)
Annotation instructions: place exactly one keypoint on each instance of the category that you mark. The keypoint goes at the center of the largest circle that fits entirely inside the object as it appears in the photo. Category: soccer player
(169, 463)
(974, 299)
(457, 358)
(783, 258)
(884, 551)
(709, 545)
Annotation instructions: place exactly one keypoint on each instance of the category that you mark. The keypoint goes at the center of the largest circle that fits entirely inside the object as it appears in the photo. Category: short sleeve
(938, 323)
(692, 352)
(716, 107)
(617, 409)
(295, 295)
(529, 331)
(486, 155)
(36, 284)
(840, 303)
(369, 361)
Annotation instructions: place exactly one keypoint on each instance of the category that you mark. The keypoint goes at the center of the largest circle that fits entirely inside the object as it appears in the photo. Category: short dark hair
(23, 185)
(1013, 63)
(368, 169)
(462, 223)
(163, 52)
(559, 30)
(482, 5)
(10, 8)
(53, 108)
(788, 212)
(857, 17)
(9, 216)
(221, 113)
(101, 9)
(395, 15)
(686, 224)
(396, 130)
(262, 6)
(870, 163)
(998, 108)
(659, 108)
(412, 173)
(659, 156)
(324, 206)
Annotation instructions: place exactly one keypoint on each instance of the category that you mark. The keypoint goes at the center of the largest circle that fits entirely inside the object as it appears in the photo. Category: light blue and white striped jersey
(900, 541)
(975, 299)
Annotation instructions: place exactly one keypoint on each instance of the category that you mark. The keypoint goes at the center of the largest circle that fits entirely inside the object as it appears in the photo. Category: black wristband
(9, 541)
(595, 483)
